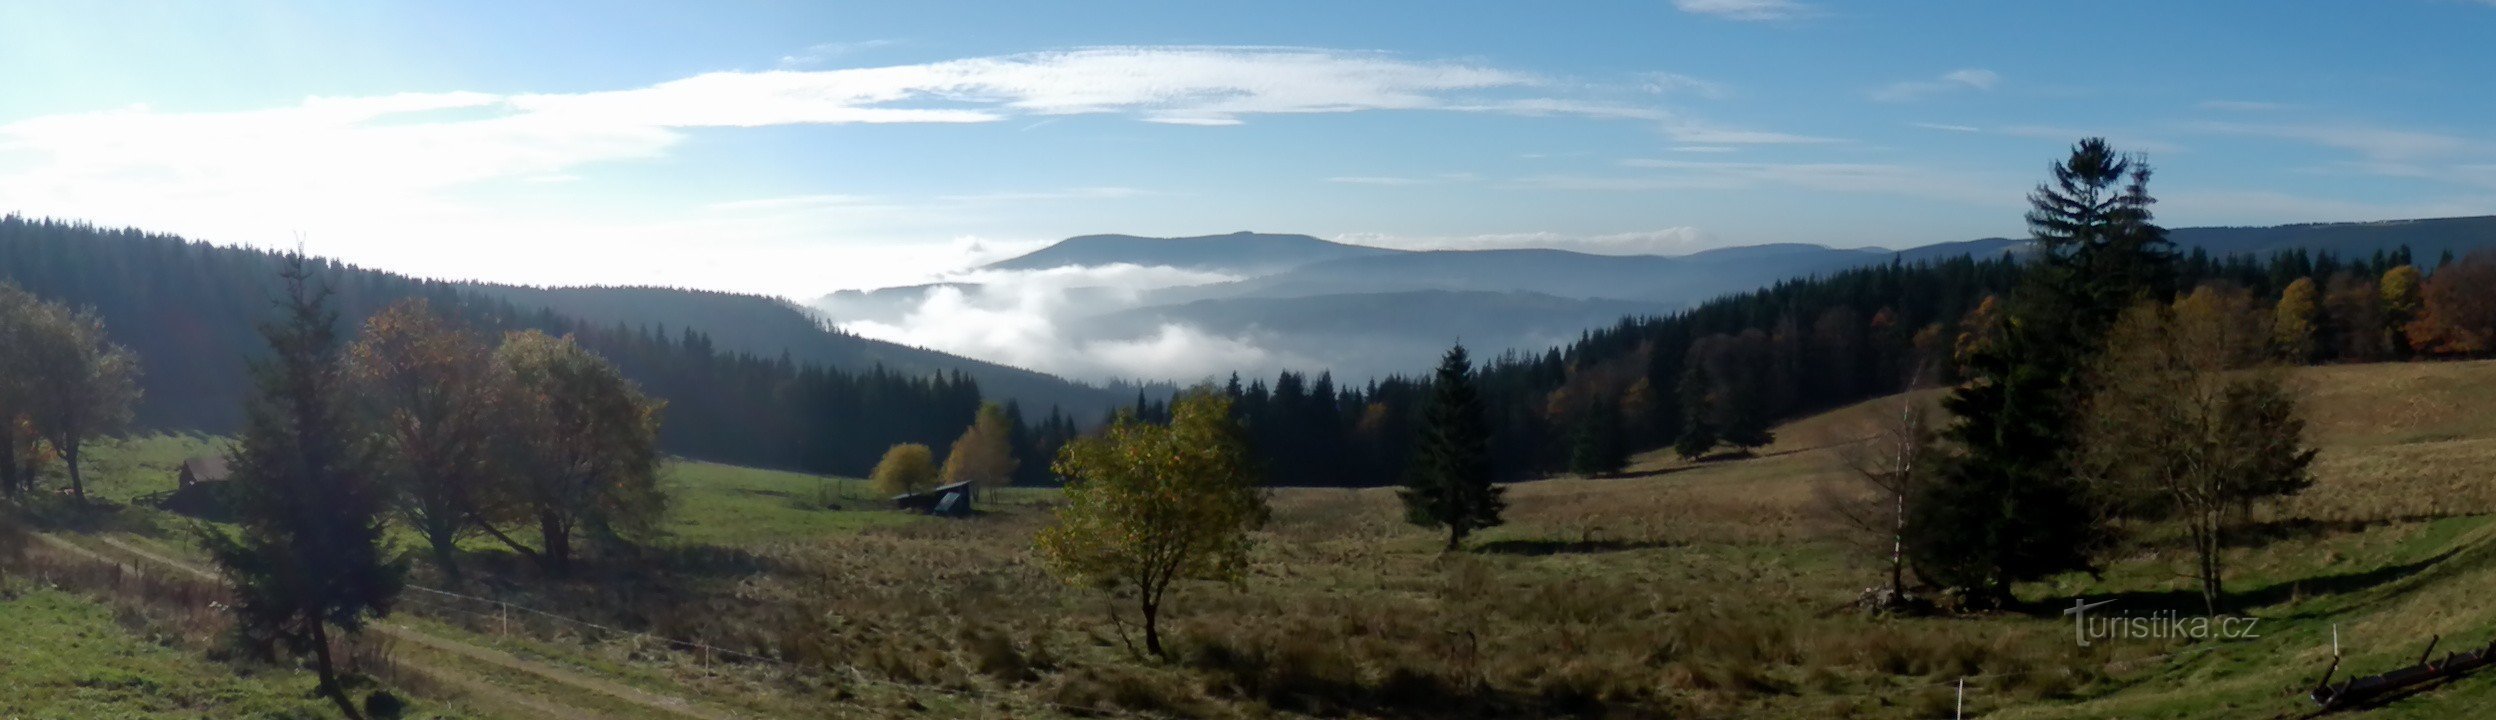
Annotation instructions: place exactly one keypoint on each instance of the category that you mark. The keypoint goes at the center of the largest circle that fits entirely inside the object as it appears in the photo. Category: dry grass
(1713, 589)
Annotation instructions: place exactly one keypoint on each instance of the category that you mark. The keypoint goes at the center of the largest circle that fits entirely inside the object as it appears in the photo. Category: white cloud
(1702, 134)
(1404, 181)
(2247, 105)
(1749, 10)
(1037, 319)
(2386, 152)
(1667, 83)
(2122, 141)
(2379, 143)
(1667, 241)
(1955, 80)
(382, 180)
(820, 53)
(1864, 178)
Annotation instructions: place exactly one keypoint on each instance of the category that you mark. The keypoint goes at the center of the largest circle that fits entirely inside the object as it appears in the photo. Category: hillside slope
(2394, 545)
(769, 327)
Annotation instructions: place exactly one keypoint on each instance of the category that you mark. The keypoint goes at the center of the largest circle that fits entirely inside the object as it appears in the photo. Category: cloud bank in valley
(1041, 320)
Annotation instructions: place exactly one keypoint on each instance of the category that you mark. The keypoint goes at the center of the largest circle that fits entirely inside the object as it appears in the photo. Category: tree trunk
(1152, 626)
(525, 551)
(1455, 537)
(558, 543)
(77, 482)
(445, 553)
(2213, 593)
(329, 672)
(1898, 553)
(8, 459)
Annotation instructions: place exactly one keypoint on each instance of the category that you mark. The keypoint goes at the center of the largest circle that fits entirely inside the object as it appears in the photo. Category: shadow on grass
(2270, 531)
(69, 514)
(1566, 547)
(2188, 602)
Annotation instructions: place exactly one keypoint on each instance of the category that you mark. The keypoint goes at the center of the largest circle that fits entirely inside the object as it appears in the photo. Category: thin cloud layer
(1955, 80)
(1038, 319)
(1667, 241)
(1748, 10)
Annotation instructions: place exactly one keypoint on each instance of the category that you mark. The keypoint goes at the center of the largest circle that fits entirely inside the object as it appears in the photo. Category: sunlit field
(1714, 589)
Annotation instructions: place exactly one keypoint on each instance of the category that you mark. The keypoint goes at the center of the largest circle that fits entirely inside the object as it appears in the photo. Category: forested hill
(1733, 366)
(768, 327)
(190, 310)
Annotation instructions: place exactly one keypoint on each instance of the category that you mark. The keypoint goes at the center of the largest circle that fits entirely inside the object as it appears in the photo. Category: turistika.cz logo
(2160, 625)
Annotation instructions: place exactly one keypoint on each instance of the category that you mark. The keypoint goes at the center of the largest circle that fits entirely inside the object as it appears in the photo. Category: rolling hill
(1362, 311)
(1237, 253)
(770, 327)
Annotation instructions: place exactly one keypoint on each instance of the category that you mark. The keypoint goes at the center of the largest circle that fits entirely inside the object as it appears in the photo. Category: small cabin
(202, 469)
(948, 501)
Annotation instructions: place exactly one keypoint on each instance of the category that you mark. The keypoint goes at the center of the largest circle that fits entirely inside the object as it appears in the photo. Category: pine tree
(309, 553)
(2007, 507)
(1449, 483)
(1598, 448)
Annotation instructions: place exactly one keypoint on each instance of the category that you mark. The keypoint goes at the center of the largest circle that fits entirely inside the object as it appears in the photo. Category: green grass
(737, 506)
(68, 657)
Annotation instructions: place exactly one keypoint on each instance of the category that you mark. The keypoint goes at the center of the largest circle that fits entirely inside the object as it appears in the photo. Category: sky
(798, 148)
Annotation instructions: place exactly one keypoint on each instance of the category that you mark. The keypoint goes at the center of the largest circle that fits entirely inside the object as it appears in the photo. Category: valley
(1710, 589)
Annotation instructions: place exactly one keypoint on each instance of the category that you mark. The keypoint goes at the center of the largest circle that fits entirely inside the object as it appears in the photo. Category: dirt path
(489, 658)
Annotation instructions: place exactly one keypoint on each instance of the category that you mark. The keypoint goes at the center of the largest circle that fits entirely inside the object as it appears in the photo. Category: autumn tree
(2185, 407)
(906, 468)
(985, 452)
(2401, 305)
(431, 391)
(2294, 321)
(580, 448)
(81, 383)
(2353, 319)
(308, 552)
(1148, 505)
(1448, 484)
(2457, 308)
(20, 443)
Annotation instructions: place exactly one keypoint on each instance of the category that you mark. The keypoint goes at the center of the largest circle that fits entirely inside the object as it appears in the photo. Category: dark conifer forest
(189, 310)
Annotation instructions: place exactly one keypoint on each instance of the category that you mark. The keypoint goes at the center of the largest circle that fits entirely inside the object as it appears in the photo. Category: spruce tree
(1598, 448)
(309, 552)
(2007, 507)
(1449, 482)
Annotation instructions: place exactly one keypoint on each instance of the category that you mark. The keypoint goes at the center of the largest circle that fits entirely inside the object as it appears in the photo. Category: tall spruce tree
(309, 552)
(1449, 481)
(2007, 507)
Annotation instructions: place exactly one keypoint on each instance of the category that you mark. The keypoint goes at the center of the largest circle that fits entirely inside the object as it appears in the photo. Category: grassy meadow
(1715, 589)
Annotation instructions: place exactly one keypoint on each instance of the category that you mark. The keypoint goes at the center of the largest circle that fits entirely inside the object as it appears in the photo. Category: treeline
(1718, 376)
(187, 310)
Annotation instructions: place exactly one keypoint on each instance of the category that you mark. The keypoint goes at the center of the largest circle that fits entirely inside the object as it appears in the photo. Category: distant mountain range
(1239, 252)
(1364, 311)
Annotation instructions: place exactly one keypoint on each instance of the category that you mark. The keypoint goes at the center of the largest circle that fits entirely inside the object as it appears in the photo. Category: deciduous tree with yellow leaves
(1148, 505)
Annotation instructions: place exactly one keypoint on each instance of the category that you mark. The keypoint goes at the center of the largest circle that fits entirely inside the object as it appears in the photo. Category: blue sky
(798, 148)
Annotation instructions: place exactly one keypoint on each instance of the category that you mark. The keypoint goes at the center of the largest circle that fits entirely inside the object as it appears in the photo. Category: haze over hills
(1188, 308)
(769, 327)
(1239, 252)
